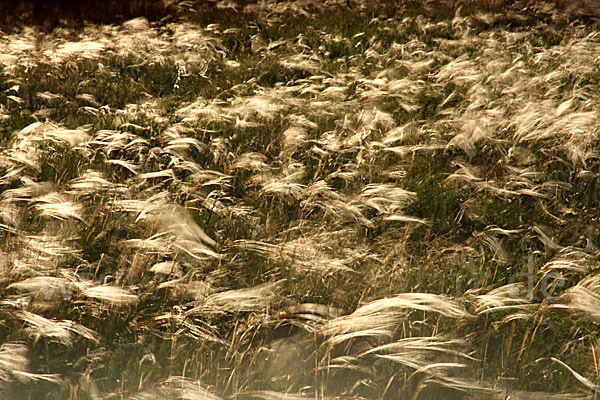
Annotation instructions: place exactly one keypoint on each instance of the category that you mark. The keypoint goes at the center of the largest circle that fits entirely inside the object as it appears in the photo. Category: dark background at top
(50, 13)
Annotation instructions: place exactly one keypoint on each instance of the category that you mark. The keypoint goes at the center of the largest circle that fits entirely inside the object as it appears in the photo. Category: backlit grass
(302, 200)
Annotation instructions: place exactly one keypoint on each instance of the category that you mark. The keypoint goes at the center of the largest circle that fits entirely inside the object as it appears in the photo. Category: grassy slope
(320, 200)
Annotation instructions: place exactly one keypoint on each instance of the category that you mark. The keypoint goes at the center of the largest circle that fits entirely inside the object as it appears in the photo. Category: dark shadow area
(52, 13)
(49, 14)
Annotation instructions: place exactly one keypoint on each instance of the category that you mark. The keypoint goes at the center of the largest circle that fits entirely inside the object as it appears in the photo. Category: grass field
(303, 200)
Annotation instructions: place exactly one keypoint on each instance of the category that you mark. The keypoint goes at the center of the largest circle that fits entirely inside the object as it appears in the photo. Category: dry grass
(397, 201)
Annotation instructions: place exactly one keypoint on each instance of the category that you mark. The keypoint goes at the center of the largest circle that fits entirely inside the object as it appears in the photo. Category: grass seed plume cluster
(303, 200)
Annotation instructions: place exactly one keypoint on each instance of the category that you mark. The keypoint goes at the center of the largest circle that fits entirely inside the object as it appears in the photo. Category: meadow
(303, 200)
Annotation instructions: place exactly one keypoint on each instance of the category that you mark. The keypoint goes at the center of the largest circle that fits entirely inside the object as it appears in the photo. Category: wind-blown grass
(303, 200)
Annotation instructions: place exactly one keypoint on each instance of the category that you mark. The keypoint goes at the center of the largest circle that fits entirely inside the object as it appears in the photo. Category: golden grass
(398, 207)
